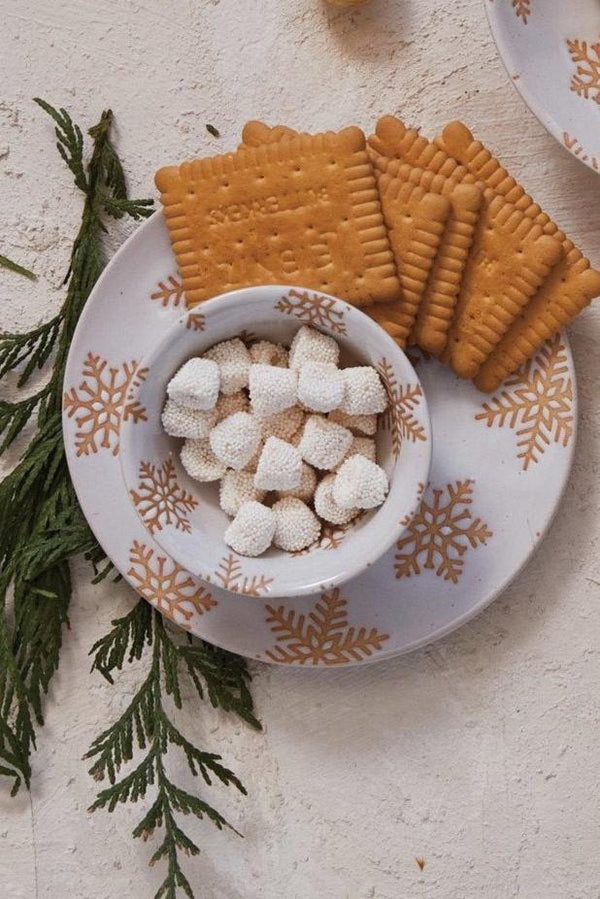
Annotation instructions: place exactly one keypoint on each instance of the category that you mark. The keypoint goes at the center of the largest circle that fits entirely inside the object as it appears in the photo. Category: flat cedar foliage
(42, 528)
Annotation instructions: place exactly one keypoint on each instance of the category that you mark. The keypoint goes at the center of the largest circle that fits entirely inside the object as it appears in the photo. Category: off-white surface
(479, 754)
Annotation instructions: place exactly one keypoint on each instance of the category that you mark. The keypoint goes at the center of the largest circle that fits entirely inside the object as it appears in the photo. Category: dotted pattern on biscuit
(315, 217)
(511, 257)
(570, 287)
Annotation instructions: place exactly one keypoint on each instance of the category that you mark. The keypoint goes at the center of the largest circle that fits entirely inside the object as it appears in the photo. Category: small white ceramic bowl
(184, 516)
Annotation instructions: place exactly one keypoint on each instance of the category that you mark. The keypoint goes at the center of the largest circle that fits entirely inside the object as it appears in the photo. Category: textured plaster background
(479, 754)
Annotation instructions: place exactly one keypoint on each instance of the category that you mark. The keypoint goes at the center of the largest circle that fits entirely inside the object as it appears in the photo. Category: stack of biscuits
(434, 239)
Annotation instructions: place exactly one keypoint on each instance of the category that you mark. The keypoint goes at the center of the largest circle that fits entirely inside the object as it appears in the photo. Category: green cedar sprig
(43, 528)
(5, 262)
(147, 725)
(41, 525)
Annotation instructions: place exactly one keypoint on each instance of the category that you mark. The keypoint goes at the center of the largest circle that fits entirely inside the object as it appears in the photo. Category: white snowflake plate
(551, 50)
(499, 467)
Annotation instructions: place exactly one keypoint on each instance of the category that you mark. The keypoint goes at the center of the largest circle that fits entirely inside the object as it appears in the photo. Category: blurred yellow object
(348, 2)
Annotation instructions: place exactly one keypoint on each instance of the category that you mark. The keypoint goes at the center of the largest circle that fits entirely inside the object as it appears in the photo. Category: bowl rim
(390, 348)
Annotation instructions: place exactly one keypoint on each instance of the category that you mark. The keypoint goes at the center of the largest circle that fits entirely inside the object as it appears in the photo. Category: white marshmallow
(320, 386)
(363, 391)
(237, 488)
(196, 384)
(323, 443)
(272, 389)
(200, 462)
(233, 360)
(235, 439)
(181, 421)
(296, 526)
(360, 483)
(310, 345)
(251, 531)
(325, 505)
(279, 466)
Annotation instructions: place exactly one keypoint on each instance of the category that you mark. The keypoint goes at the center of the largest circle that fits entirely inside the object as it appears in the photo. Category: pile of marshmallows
(283, 431)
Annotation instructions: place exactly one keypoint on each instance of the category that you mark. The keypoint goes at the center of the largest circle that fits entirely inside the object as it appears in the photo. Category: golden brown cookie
(563, 295)
(437, 308)
(393, 140)
(439, 299)
(255, 134)
(304, 210)
(570, 287)
(416, 220)
(509, 260)
(416, 225)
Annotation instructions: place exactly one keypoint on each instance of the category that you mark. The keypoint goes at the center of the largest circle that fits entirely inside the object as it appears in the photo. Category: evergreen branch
(33, 346)
(69, 142)
(147, 726)
(41, 525)
(5, 262)
(129, 634)
(15, 416)
(137, 209)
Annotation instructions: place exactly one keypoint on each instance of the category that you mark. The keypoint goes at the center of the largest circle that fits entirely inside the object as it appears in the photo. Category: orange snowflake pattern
(420, 491)
(313, 309)
(195, 322)
(103, 399)
(586, 80)
(166, 585)
(441, 533)
(160, 500)
(523, 9)
(537, 403)
(323, 637)
(331, 536)
(230, 576)
(572, 144)
(399, 418)
(169, 292)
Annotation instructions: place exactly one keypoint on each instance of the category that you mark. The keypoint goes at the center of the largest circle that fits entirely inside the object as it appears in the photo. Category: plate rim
(381, 655)
(535, 106)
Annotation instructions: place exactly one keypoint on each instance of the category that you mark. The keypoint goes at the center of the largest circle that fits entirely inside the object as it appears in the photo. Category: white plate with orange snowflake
(551, 50)
(500, 464)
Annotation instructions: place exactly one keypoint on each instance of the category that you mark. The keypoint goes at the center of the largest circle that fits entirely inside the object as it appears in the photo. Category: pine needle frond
(5, 262)
(41, 525)
(147, 726)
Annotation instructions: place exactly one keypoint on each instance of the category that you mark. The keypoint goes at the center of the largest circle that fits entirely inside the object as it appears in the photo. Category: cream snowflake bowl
(185, 517)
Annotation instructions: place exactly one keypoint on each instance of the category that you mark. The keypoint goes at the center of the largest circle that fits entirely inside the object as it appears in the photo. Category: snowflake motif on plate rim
(169, 292)
(537, 403)
(586, 80)
(323, 637)
(167, 586)
(160, 500)
(103, 399)
(440, 533)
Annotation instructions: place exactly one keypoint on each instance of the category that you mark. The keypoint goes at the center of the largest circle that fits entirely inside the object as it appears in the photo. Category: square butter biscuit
(415, 222)
(301, 211)
(570, 286)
